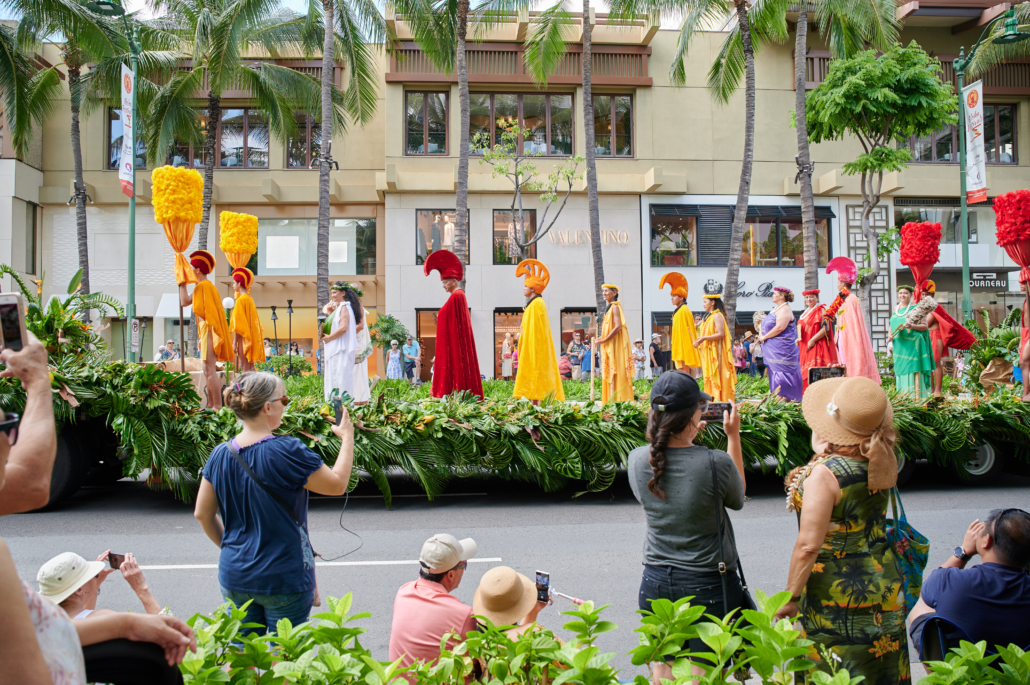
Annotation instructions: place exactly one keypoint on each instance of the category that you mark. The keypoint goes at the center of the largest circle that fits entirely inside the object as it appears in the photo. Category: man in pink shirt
(424, 610)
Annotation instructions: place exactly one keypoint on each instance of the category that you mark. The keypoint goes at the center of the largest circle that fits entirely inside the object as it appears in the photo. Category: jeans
(657, 371)
(266, 610)
(671, 583)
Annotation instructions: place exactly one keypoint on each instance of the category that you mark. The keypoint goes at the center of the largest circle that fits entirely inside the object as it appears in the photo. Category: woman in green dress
(845, 582)
(913, 351)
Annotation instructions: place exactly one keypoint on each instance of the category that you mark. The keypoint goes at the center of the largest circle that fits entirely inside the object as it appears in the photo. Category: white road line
(186, 567)
(447, 494)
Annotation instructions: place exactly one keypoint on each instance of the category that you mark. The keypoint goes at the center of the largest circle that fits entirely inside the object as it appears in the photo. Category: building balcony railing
(501, 63)
(1011, 78)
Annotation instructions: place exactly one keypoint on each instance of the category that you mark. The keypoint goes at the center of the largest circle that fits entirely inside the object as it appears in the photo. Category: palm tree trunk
(322, 287)
(461, 200)
(588, 128)
(808, 235)
(744, 190)
(74, 71)
(214, 116)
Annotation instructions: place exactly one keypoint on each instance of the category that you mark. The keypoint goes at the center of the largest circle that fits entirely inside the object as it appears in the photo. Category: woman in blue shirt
(266, 556)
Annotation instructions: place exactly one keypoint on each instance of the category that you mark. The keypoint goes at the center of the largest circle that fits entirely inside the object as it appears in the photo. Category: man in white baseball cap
(73, 583)
(424, 610)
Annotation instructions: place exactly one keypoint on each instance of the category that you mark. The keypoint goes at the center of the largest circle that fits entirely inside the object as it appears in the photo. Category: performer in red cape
(456, 366)
(945, 333)
(815, 337)
(854, 344)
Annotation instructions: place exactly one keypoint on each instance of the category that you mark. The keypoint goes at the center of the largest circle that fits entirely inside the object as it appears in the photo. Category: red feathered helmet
(203, 260)
(243, 276)
(446, 262)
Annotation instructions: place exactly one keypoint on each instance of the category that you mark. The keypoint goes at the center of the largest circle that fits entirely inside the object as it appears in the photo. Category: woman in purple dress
(779, 340)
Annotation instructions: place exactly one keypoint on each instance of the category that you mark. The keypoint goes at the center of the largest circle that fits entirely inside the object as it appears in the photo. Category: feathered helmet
(243, 276)
(537, 275)
(203, 260)
(845, 267)
(446, 262)
(678, 282)
(920, 250)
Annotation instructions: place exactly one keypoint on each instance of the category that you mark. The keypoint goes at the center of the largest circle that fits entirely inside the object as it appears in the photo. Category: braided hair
(662, 425)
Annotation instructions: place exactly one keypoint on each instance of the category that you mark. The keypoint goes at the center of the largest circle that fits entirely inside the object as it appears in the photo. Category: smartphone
(543, 586)
(715, 410)
(338, 401)
(818, 373)
(12, 321)
(115, 560)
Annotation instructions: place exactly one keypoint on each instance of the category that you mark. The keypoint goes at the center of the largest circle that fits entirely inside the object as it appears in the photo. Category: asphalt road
(591, 545)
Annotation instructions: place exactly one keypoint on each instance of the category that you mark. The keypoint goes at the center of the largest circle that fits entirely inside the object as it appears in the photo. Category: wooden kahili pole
(182, 342)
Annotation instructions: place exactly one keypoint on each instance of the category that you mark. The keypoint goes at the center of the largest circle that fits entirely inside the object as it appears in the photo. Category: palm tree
(347, 27)
(100, 42)
(28, 93)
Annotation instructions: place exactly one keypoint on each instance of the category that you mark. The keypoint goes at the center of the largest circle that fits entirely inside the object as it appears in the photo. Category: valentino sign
(583, 237)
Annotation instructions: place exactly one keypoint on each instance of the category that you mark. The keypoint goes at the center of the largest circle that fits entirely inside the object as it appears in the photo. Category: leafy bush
(970, 664)
(284, 365)
(991, 342)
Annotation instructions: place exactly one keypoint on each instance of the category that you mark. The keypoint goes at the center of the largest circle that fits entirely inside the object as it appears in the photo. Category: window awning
(168, 308)
(788, 211)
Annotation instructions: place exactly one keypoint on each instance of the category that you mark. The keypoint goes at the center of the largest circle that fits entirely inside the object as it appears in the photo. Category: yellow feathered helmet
(678, 282)
(537, 275)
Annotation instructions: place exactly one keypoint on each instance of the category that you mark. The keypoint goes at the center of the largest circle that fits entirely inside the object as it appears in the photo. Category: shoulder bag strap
(271, 493)
(718, 523)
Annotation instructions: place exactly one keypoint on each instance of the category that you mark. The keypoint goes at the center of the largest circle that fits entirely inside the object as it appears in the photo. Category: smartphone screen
(10, 326)
(543, 586)
(715, 410)
(115, 560)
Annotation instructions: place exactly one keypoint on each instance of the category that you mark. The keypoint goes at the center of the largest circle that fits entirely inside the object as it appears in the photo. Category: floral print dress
(854, 601)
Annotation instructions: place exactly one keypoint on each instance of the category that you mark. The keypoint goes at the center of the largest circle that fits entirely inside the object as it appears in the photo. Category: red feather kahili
(920, 250)
(1013, 217)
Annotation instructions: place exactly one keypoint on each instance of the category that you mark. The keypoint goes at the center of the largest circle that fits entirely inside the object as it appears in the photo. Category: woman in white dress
(363, 350)
(506, 357)
(341, 342)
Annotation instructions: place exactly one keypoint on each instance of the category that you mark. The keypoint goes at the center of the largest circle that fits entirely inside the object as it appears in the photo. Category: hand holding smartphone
(115, 560)
(12, 321)
(543, 586)
(715, 411)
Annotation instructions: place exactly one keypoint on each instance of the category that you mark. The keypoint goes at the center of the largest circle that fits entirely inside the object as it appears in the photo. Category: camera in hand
(115, 560)
(543, 586)
(715, 411)
(818, 373)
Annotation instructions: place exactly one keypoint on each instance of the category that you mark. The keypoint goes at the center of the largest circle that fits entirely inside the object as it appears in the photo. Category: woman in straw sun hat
(845, 582)
(507, 598)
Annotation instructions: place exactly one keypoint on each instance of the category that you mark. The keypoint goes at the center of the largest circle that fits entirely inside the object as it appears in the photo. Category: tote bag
(911, 548)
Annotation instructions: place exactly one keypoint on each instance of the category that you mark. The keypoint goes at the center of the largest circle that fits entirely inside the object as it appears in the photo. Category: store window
(505, 224)
(547, 116)
(507, 324)
(779, 241)
(191, 155)
(425, 332)
(582, 321)
(941, 146)
(243, 139)
(289, 247)
(304, 148)
(947, 213)
(426, 123)
(613, 125)
(673, 240)
(114, 141)
(434, 230)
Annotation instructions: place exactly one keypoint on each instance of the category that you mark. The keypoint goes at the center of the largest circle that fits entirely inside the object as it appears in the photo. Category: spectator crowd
(853, 588)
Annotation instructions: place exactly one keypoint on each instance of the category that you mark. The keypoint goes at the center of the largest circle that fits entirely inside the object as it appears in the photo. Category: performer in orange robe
(245, 325)
(212, 328)
(815, 337)
(854, 344)
(456, 367)
(616, 350)
(538, 365)
(682, 351)
(715, 346)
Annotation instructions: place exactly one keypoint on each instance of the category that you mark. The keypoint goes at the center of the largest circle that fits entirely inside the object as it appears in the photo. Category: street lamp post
(1012, 35)
(112, 8)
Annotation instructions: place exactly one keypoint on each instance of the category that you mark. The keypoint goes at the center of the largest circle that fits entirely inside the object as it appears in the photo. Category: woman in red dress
(815, 341)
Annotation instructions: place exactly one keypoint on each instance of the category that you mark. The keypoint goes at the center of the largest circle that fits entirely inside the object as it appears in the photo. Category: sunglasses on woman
(10, 426)
(284, 399)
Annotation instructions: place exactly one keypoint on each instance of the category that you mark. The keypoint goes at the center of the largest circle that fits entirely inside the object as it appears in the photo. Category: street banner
(976, 172)
(128, 157)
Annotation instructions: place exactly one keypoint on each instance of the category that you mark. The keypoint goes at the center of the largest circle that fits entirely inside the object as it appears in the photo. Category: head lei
(813, 291)
(243, 276)
(610, 286)
(678, 282)
(343, 285)
(446, 262)
(909, 288)
(712, 296)
(782, 289)
(203, 260)
(537, 275)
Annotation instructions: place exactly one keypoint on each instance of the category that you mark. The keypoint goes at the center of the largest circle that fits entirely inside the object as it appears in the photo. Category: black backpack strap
(271, 493)
(718, 518)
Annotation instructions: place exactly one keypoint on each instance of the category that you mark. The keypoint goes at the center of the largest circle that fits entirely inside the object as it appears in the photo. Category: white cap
(60, 577)
(442, 552)
(655, 335)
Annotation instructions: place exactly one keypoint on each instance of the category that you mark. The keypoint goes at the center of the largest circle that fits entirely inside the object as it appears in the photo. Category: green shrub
(284, 365)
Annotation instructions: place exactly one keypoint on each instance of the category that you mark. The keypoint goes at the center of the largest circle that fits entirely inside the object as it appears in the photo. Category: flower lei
(793, 498)
(830, 313)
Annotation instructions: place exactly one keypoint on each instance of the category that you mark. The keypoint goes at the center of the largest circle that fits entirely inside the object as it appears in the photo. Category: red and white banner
(128, 158)
(976, 172)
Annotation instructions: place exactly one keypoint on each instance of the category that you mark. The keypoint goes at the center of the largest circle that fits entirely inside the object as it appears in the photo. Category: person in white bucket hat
(73, 583)
(424, 610)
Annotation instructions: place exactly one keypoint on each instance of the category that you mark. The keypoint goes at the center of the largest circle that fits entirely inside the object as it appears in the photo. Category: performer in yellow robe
(616, 350)
(682, 351)
(720, 376)
(245, 326)
(212, 328)
(538, 375)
